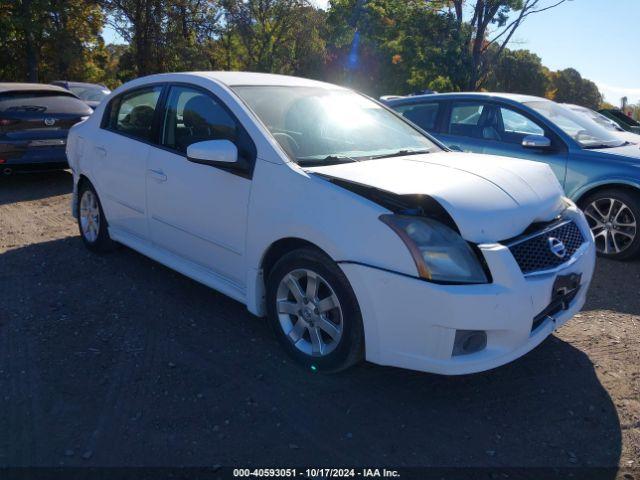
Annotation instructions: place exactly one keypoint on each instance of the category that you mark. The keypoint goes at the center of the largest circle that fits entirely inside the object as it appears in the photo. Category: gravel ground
(115, 360)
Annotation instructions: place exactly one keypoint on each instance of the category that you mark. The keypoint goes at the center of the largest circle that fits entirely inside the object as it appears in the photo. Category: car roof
(18, 87)
(514, 97)
(234, 79)
(80, 84)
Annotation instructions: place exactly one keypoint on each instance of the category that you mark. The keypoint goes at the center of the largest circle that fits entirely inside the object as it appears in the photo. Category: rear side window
(193, 116)
(133, 113)
(424, 115)
(474, 120)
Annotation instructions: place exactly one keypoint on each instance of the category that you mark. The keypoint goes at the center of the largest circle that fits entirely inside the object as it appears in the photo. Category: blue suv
(600, 172)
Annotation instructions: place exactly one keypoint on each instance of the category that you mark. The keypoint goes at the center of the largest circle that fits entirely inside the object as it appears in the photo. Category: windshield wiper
(400, 153)
(328, 160)
(602, 145)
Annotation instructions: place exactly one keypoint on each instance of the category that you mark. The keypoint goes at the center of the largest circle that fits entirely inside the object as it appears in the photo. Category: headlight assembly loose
(440, 254)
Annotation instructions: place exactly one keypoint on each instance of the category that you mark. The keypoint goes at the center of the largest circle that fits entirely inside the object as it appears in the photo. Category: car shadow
(22, 187)
(621, 296)
(115, 360)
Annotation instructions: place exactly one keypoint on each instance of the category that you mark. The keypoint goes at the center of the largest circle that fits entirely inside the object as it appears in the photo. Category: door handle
(102, 151)
(158, 175)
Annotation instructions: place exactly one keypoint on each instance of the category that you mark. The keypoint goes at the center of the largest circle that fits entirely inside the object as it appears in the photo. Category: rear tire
(314, 312)
(614, 218)
(91, 220)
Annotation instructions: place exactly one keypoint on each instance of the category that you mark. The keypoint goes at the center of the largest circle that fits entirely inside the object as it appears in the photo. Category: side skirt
(186, 267)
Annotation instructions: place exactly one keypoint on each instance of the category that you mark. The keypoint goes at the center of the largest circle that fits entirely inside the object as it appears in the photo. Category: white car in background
(357, 235)
(605, 122)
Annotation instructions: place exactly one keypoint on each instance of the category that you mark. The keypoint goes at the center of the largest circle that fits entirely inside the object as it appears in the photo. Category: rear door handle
(157, 175)
(101, 151)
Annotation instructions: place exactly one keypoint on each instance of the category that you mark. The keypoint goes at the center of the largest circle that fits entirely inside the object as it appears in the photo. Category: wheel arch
(257, 281)
(620, 184)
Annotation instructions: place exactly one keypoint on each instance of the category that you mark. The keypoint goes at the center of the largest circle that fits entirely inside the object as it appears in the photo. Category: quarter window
(193, 116)
(133, 113)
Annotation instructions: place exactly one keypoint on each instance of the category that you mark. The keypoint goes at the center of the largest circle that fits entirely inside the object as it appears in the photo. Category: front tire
(613, 217)
(91, 220)
(314, 312)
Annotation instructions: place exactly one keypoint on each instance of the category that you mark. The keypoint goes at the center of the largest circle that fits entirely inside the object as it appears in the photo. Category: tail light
(4, 122)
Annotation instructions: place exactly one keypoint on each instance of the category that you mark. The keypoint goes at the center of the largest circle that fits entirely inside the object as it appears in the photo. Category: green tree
(490, 27)
(279, 36)
(386, 47)
(518, 71)
(568, 86)
(47, 39)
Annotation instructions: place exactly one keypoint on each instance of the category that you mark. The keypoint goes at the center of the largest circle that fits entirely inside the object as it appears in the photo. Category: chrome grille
(534, 254)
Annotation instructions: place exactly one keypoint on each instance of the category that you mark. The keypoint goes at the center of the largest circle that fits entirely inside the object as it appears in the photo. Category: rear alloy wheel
(314, 312)
(613, 218)
(91, 220)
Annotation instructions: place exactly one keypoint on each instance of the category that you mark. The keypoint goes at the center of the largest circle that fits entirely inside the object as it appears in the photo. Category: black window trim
(155, 140)
(115, 102)
(246, 170)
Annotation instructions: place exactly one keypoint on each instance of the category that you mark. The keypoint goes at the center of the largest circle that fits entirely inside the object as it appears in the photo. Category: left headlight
(440, 253)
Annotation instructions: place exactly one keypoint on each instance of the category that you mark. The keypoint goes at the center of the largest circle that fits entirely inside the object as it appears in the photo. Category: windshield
(90, 93)
(579, 127)
(600, 119)
(319, 126)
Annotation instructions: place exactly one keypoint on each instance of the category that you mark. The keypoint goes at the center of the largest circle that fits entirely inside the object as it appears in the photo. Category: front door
(198, 212)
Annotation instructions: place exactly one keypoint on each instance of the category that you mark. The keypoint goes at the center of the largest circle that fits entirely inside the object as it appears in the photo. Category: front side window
(582, 129)
(475, 120)
(133, 113)
(193, 116)
(516, 123)
(424, 115)
(319, 126)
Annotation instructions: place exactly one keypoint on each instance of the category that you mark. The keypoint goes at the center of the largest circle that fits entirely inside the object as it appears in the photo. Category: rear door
(463, 128)
(120, 158)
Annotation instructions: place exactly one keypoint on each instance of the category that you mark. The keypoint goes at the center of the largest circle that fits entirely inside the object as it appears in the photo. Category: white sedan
(356, 234)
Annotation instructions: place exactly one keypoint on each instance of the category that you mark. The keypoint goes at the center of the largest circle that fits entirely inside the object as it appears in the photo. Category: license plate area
(52, 142)
(564, 290)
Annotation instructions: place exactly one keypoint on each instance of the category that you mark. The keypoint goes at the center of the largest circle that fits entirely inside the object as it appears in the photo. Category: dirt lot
(116, 360)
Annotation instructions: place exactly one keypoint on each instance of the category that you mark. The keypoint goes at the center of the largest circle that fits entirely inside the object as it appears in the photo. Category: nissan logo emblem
(557, 247)
(49, 122)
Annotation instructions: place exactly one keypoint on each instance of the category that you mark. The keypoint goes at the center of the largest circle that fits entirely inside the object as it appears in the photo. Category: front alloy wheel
(309, 312)
(314, 312)
(613, 218)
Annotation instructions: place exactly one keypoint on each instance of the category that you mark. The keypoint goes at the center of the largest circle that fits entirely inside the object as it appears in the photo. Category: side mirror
(536, 141)
(213, 152)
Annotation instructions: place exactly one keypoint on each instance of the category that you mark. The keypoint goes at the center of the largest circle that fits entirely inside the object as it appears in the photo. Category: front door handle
(101, 151)
(157, 175)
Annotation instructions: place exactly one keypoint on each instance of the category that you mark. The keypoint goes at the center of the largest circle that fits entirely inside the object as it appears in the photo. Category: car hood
(631, 152)
(628, 137)
(490, 198)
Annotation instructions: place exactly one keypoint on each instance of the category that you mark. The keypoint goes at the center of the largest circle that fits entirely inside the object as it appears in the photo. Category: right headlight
(440, 253)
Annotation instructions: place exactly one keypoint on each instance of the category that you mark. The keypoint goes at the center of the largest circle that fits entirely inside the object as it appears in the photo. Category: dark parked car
(90, 93)
(34, 122)
(626, 122)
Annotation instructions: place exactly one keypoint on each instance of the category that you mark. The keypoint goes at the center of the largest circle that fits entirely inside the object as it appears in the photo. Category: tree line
(376, 46)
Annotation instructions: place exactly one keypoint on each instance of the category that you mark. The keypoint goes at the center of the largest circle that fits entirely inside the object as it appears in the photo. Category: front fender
(577, 194)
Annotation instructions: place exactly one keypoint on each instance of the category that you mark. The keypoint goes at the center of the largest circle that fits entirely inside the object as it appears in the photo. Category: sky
(596, 37)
